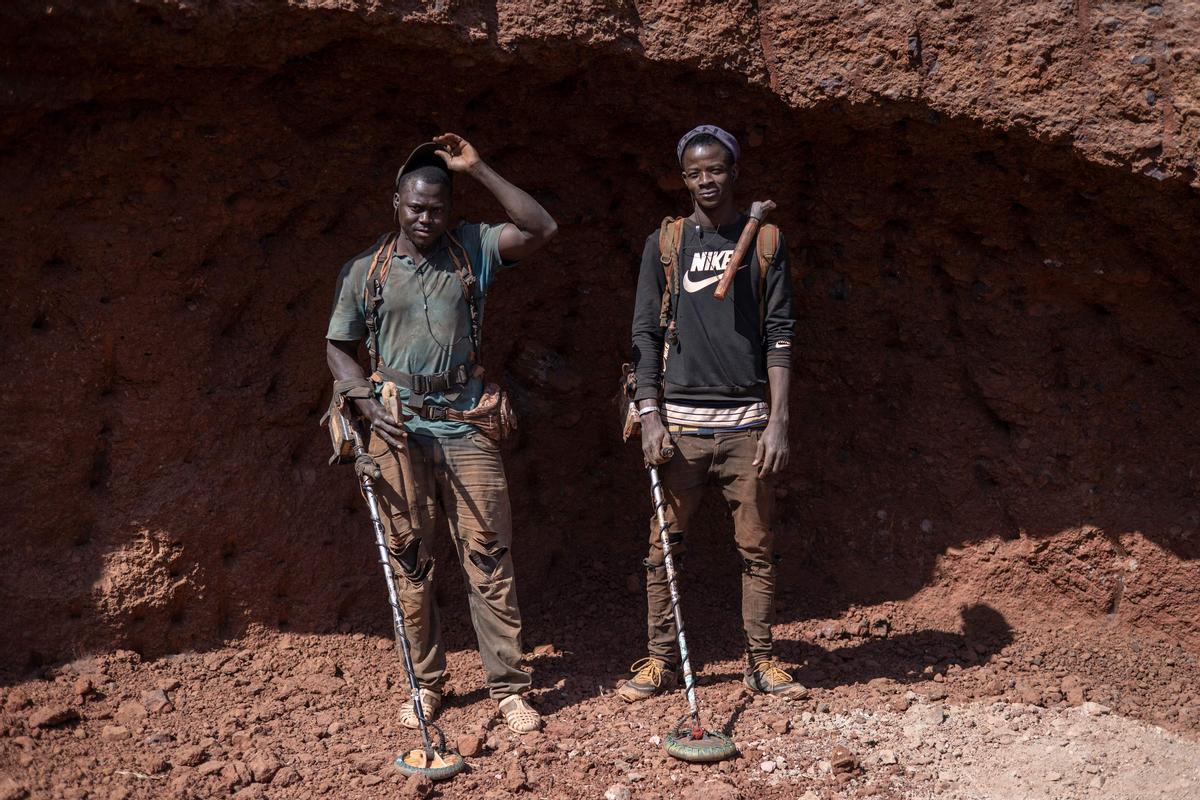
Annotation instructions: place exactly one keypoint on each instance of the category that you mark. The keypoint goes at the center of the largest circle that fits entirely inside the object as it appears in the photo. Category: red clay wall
(992, 214)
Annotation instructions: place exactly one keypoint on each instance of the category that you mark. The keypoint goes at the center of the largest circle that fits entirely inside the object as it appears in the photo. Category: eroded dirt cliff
(993, 215)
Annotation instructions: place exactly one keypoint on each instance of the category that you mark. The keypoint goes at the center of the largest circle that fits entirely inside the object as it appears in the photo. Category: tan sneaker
(519, 715)
(431, 701)
(650, 676)
(768, 677)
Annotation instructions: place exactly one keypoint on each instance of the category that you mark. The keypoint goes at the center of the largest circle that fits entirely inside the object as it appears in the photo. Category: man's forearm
(525, 212)
(344, 366)
(647, 358)
(779, 379)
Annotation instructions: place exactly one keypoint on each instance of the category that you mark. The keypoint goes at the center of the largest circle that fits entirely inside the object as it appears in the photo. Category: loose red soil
(304, 716)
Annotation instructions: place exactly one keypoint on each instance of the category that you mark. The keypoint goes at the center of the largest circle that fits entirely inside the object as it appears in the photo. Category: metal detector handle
(689, 681)
(368, 489)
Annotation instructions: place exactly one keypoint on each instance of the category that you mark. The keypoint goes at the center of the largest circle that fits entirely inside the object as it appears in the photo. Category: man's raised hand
(459, 155)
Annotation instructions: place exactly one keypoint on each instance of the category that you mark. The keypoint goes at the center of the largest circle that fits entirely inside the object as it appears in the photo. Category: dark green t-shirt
(424, 321)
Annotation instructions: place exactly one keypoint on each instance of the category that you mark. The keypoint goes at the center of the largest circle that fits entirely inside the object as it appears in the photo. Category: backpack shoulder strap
(670, 241)
(766, 245)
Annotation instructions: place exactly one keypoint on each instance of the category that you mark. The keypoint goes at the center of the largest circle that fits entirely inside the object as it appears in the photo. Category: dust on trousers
(462, 478)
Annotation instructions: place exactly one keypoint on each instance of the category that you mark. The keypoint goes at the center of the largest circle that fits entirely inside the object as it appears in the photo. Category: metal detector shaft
(368, 487)
(689, 681)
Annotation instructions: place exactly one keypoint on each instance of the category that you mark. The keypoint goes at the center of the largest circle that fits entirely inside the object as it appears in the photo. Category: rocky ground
(1071, 712)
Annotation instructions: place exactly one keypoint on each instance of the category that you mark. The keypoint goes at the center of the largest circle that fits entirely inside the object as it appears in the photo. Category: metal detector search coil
(711, 746)
(445, 764)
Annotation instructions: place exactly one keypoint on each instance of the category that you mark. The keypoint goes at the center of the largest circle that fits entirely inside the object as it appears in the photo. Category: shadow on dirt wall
(995, 341)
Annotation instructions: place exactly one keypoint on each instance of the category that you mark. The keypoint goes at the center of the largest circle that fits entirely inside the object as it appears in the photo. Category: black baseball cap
(425, 155)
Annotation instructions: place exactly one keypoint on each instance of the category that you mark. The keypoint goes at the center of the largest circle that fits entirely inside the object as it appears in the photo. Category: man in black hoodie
(719, 414)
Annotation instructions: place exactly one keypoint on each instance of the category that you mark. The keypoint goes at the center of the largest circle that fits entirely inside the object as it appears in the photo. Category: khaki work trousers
(725, 459)
(464, 479)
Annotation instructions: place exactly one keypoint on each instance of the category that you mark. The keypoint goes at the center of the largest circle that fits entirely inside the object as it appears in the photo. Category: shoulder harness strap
(765, 247)
(670, 243)
(466, 275)
(377, 275)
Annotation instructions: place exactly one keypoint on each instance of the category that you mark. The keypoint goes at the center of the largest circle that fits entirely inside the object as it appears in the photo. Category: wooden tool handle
(758, 210)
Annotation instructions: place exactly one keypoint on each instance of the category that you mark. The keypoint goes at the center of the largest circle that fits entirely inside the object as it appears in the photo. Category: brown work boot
(650, 676)
(768, 677)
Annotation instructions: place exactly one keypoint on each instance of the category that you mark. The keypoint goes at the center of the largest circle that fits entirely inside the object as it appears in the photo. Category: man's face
(708, 175)
(423, 210)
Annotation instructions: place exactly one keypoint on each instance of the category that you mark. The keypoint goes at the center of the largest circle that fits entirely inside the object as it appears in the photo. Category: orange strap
(766, 246)
(670, 238)
(381, 263)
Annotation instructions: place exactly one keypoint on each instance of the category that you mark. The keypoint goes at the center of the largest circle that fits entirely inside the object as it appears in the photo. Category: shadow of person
(743, 702)
(902, 658)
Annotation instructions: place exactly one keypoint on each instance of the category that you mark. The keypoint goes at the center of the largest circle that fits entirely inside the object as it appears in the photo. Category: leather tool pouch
(631, 423)
(493, 415)
(341, 435)
(338, 421)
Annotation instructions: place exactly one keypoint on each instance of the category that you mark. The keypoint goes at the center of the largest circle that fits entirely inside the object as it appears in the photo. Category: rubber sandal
(519, 715)
(431, 701)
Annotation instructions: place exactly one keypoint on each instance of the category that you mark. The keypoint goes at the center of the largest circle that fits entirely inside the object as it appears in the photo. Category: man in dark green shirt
(425, 340)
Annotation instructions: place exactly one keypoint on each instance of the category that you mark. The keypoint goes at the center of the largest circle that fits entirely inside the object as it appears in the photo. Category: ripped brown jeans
(462, 478)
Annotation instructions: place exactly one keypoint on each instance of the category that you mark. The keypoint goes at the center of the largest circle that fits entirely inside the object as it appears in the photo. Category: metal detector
(688, 740)
(433, 760)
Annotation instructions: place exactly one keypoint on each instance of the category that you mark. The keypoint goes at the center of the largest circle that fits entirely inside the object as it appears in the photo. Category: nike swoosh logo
(695, 286)
(690, 285)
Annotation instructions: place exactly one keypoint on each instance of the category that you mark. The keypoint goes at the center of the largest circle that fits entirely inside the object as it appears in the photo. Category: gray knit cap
(720, 134)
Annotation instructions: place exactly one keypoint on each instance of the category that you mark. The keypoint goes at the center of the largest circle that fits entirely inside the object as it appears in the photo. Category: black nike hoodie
(723, 350)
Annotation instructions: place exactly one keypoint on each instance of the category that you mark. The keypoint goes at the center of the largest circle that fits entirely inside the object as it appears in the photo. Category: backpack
(670, 247)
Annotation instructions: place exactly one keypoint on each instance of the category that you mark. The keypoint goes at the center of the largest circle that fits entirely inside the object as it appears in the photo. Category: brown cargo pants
(462, 478)
(727, 460)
